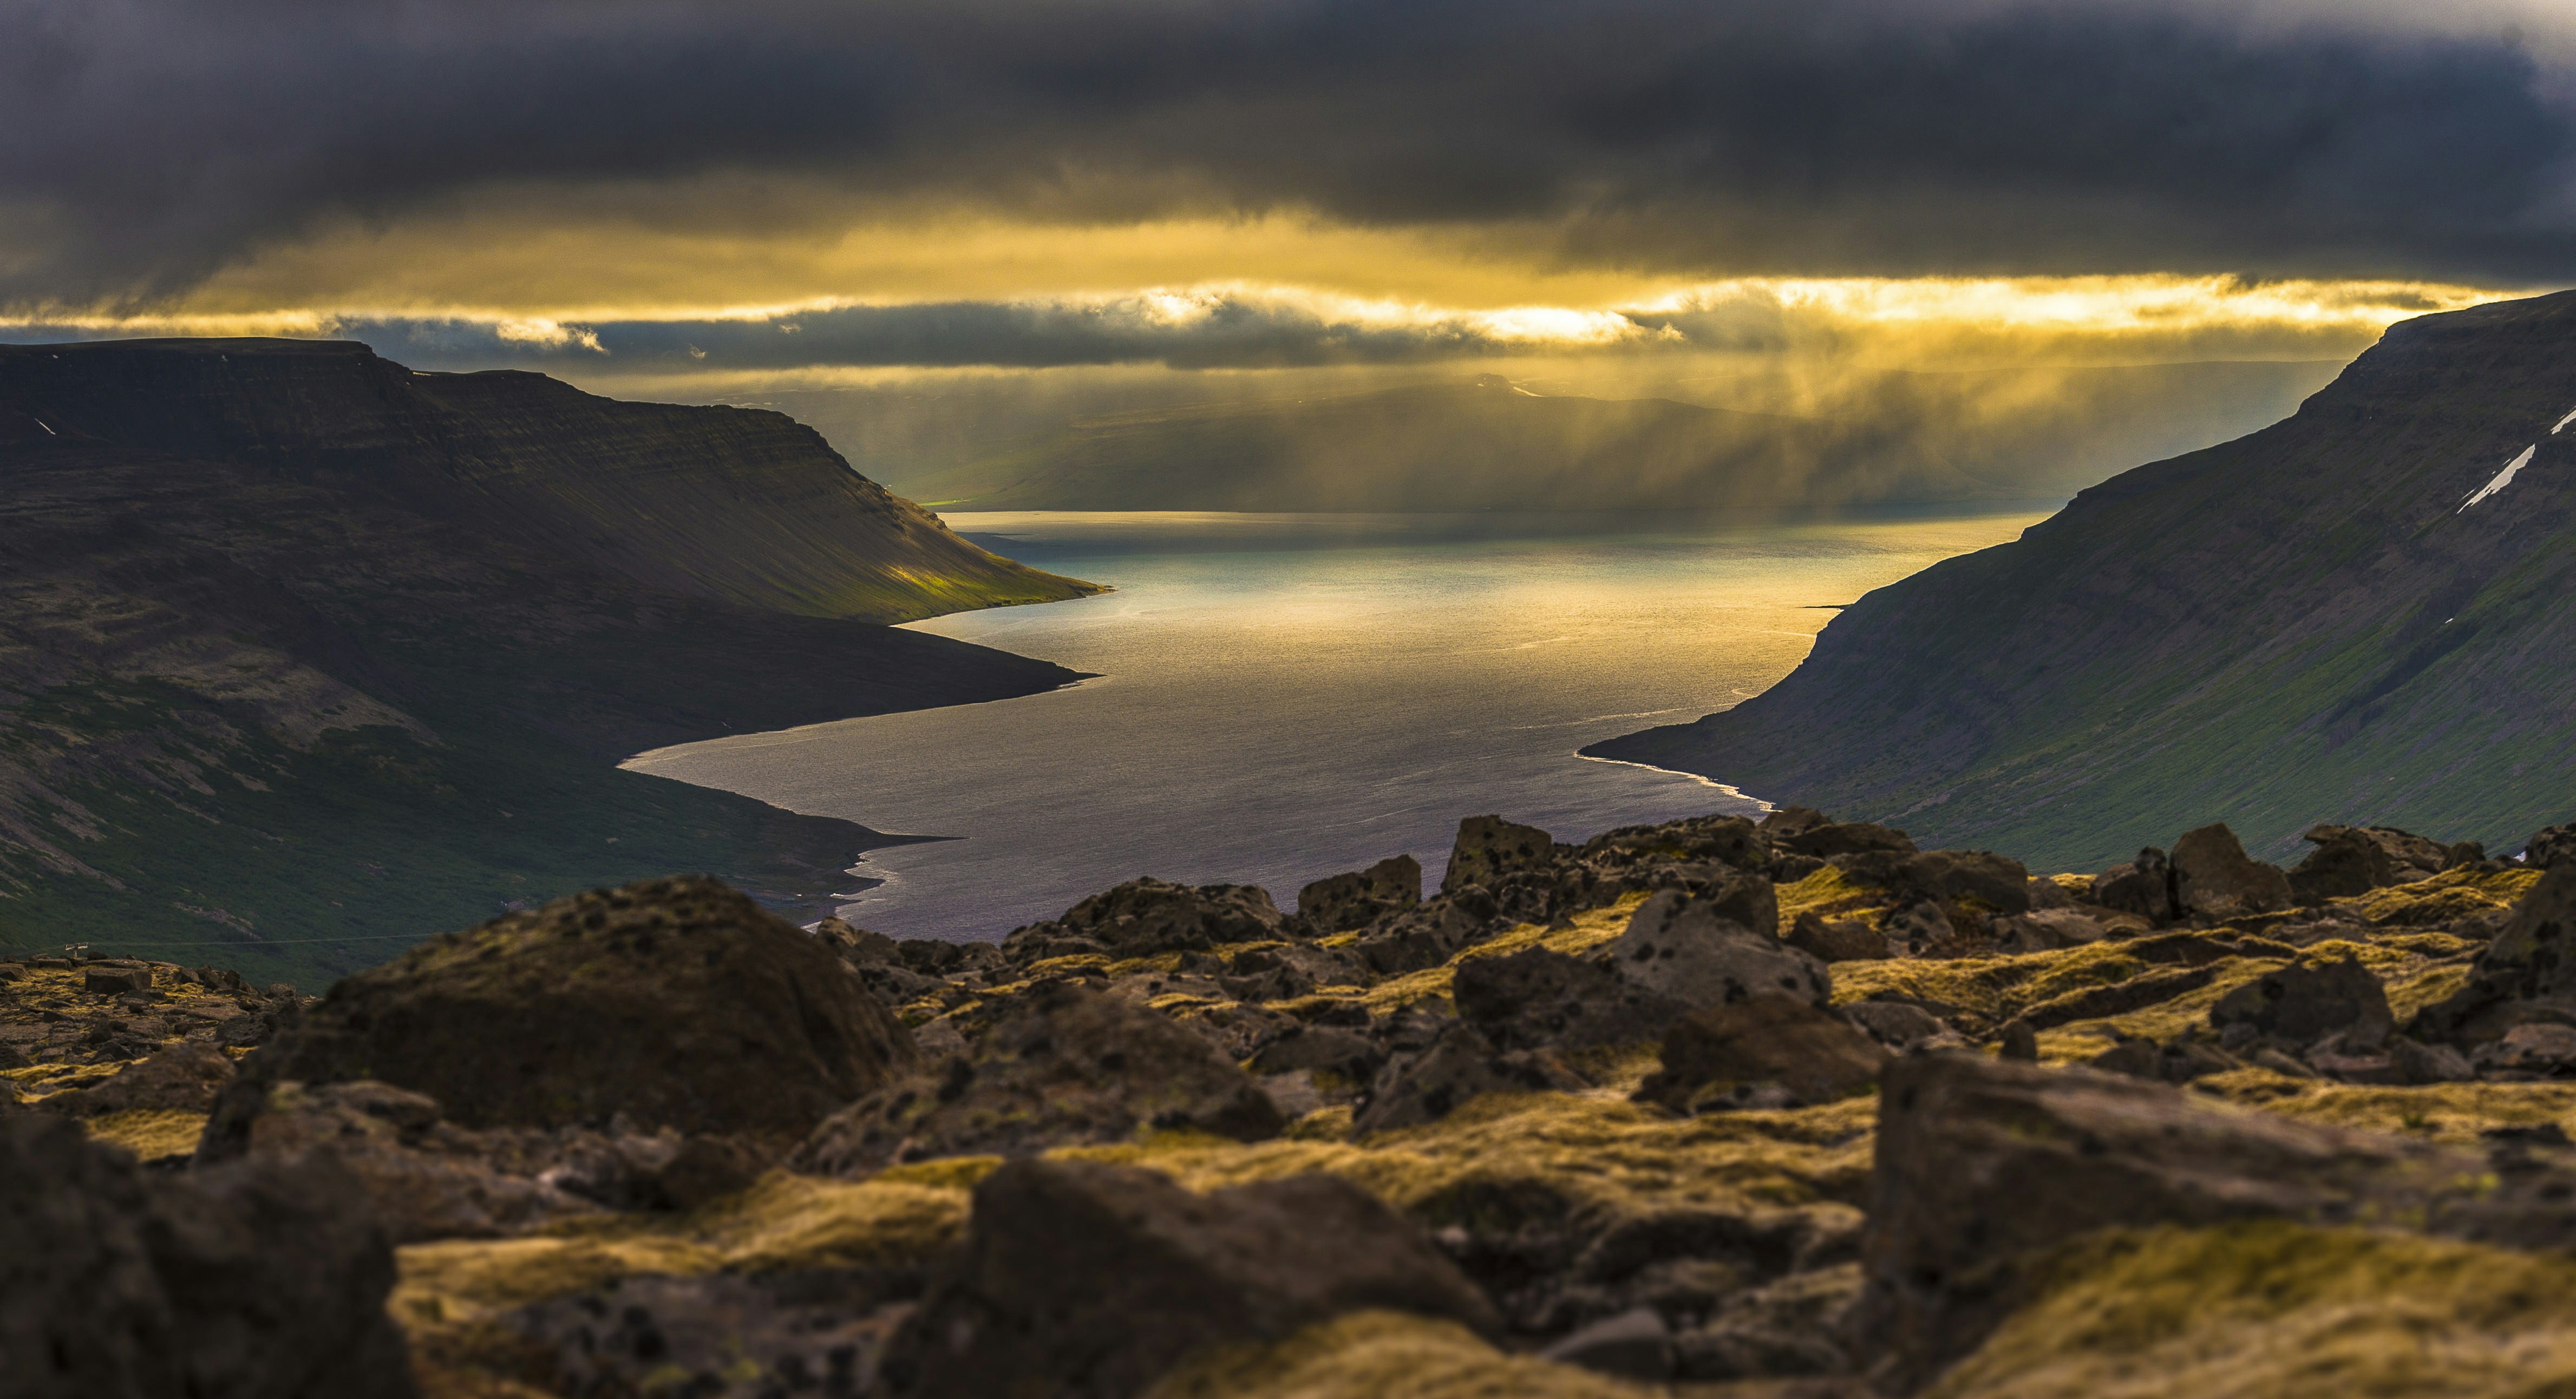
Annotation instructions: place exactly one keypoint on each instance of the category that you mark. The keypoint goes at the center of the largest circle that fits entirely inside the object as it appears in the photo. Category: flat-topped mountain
(2359, 613)
(306, 654)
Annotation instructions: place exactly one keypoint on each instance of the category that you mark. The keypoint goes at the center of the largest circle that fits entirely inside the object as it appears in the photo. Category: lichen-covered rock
(1065, 1066)
(1982, 1165)
(1767, 1052)
(1345, 901)
(1143, 917)
(2215, 878)
(1541, 999)
(2528, 973)
(183, 1078)
(2301, 1004)
(2550, 847)
(1692, 951)
(1996, 883)
(1489, 848)
(1080, 1280)
(1836, 940)
(1457, 1068)
(676, 1002)
(256, 1280)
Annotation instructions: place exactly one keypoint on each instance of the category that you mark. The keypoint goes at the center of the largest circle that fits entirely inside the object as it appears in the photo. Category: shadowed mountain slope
(302, 655)
(2323, 620)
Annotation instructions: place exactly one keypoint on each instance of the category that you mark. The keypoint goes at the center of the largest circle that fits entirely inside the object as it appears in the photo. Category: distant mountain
(303, 653)
(2361, 614)
(1757, 441)
(1485, 445)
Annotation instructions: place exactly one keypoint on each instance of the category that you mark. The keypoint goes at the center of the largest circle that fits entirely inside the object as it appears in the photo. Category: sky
(764, 191)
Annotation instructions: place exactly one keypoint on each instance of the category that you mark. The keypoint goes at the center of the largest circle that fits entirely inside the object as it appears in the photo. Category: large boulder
(1704, 952)
(2144, 886)
(1067, 1065)
(1983, 1165)
(1767, 1052)
(675, 1002)
(2550, 847)
(257, 1280)
(2299, 1005)
(1143, 917)
(2528, 973)
(1536, 998)
(186, 1077)
(2214, 878)
(1079, 1280)
(1826, 840)
(1457, 1068)
(2353, 860)
(1346, 901)
(1488, 848)
(1426, 936)
(1996, 882)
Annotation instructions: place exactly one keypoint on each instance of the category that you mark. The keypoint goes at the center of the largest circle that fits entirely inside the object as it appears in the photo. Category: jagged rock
(857, 946)
(1830, 839)
(1537, 999)
(2214, 877)
(256, 1280)
(2046, 930)
(1894, 1023)
(1346, 901)
(1982, 1165)
(723, 1335)
(2525, 974)
(2143, 886)
(1066, 1065)
(1425, 937)
(116, 981)
(941, 957)
(2300, 1005)
(2550, 847)
(181, 1078)
(2044, 893)
(1999, 884)
(1457, 1068)
(1699, 840)
(1143, 917)
(1789, 821)
(1837, 940)
(1489, 847)
(383, 1135)
(1767, 1052)
(675, 1002)
(1087, 1281)
(1698, 952)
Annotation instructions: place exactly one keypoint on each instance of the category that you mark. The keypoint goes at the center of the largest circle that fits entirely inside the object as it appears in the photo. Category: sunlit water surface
(1282, 697)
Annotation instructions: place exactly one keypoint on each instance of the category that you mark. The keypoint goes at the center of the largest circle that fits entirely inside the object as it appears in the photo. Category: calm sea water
(1283, 697)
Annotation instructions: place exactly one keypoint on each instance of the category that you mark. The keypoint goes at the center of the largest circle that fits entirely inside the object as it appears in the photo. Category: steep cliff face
(738, 504)
(301, 660)
(2359, 614)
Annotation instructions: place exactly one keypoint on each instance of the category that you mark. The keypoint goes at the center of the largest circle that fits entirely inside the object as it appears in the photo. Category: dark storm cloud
(145, 142)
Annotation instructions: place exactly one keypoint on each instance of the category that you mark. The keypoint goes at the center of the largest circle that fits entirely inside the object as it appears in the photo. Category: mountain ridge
(2308, 621)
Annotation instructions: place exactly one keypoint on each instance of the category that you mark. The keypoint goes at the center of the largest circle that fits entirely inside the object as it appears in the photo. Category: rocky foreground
(1793, 1109)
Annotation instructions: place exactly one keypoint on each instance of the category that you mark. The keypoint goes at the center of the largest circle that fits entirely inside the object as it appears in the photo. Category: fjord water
(1281, 697)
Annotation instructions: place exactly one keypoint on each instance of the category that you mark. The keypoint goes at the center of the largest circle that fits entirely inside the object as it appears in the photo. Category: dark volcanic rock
(1701, 951)
(2527, 973)
(1768, 1052)
(257, 1280)
(1981, 1164)
(2215, 878)
(1087, 1281)
(1489, 848)
(1458, 1067)
(1066, 1065)
(182, 1078)
(2550, 847)
(2299, 1005)
(1999, 884)
(2144, 886)
(1540, 999)
(676, 1002)
(1145, 916)
(1836, 940)
(1829, 839)
(1425, 937)
(723, 1335)
(1346, 901)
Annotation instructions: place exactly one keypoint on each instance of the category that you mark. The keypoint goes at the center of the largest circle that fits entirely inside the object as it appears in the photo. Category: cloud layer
(146, 144)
